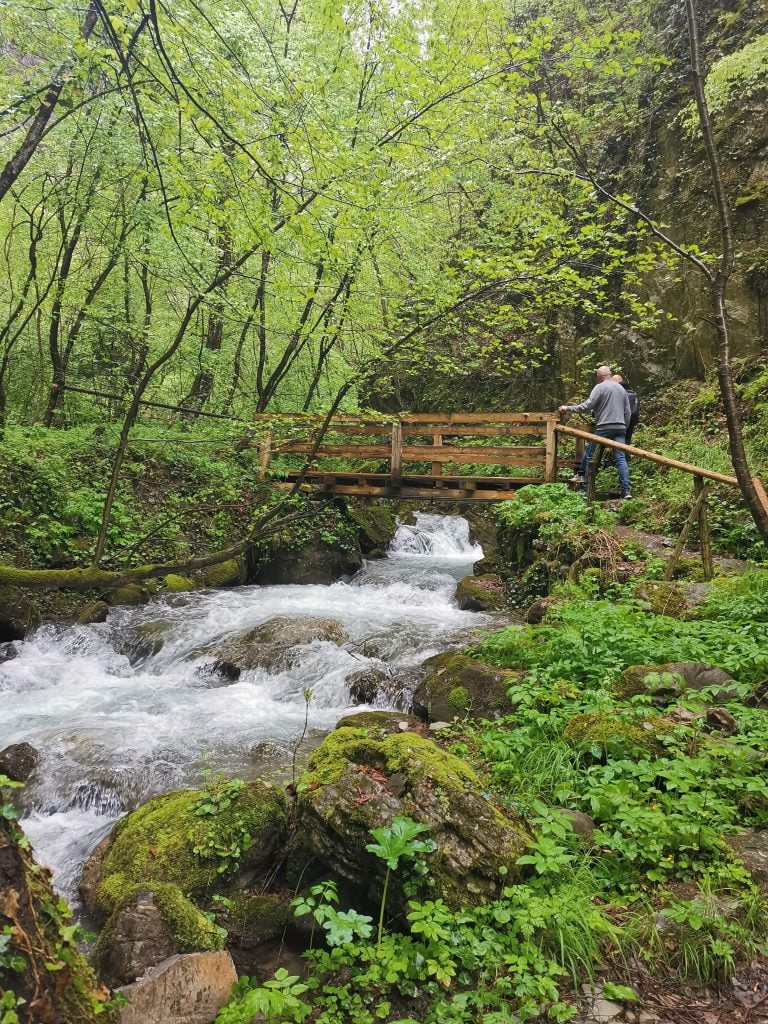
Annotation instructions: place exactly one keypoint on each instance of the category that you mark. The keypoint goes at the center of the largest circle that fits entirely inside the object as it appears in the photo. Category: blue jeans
(619, 458)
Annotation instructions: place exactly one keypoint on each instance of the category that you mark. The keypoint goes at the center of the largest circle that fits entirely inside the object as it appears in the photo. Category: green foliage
(738, 73)
(558, 514)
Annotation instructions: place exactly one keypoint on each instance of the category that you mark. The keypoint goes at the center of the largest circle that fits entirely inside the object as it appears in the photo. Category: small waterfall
(437, 537)
(133, 707)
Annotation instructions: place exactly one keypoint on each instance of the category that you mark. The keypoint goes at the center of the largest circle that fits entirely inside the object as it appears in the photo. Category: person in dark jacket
(634, 408)
(609, 404)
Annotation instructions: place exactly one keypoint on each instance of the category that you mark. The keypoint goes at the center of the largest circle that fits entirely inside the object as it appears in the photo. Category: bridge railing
(434, 439)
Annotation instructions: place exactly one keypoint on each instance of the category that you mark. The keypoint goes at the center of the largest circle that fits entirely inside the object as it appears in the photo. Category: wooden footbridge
(439, 456)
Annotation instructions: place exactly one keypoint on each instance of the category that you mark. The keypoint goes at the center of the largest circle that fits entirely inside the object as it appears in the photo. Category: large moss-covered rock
(383, 723)
(376, 523)
(457, 686)
(480, 593)
(176, 584)
(272, 645)
(156, 843)
(610, 733)
(316, 561)
(131, 594)
(674, 599)
(672, 678)
(357, 781)
(55, 984)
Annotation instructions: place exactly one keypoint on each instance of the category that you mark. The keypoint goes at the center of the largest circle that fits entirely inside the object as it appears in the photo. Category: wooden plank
(705, 539)
(430, 493)
(396, 455)
(686, 467)
(480, 481)
(446, 429)
(511, 455)
(550, 459)
(349, 451)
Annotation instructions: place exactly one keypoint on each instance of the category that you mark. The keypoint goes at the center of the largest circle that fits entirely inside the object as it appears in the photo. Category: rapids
(116, 724)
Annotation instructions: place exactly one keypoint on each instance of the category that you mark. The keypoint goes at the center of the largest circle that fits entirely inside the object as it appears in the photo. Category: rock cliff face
(664, 165)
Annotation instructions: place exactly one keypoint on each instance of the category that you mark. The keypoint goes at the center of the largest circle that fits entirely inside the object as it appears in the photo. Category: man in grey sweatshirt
(609, 405)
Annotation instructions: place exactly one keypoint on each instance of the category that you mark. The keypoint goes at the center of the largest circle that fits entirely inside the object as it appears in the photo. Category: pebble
(436, 726)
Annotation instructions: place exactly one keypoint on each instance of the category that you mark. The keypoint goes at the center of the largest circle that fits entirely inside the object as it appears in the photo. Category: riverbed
(117, 720)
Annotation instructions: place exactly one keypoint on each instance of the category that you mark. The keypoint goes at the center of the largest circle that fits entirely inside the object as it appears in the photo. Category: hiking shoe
(627, 496)
(577, 478)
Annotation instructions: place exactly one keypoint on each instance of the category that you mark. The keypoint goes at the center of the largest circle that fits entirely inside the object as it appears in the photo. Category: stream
(116, 724)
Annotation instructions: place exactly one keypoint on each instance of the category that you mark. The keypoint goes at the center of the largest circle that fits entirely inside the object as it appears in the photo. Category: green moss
(376, 523)
(378, 724)
(480, 593)
(156, 842)
(337, 750)
(225, 574)
(601, 729)
(647, 680)
(178, 584)
(252, 920)
(419, 758)
(459, 700)
(190, 928)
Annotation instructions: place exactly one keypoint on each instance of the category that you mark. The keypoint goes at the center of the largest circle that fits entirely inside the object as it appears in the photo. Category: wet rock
(185, 989)
(9, 651)
(146, 639)
(97, 611)
(456, 686)
(93, 869)
(131, 594)
(156, 844)
(136, 938)
(751, 848)
(357, 781)
(535, 613)
(365, 685)
(18, 761)
(670, 679)
(382, 723)
(18, 615)
(271, 645)
(480, 593)
(255, 918)
(315, 562)
(376, 524)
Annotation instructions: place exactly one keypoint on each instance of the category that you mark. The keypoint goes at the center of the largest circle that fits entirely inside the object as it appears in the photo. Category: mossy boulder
(609, 733)
(148, 925)
(131, 594)
(96, 611)
(674, 599)
(480, 593)
(231, 573)
(366, 684)
(315, 561)
(670, 679)
(175, 584)
(457, 686)
(158, 841)
(272, 645)
(376, 524)
(357, 781)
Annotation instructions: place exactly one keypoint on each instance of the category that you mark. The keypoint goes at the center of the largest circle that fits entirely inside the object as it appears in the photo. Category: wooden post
(396, 456)
(594, 466)
(437, 467)
(550, 458)
(705, 541)
(265, 454)
(693, 516)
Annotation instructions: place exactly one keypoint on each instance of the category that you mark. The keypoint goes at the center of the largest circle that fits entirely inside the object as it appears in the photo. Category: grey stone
(136, 938)
(752, 850)
(18, 761)
(437, 726)
(185, 989)
(271, 645)
(581, 823)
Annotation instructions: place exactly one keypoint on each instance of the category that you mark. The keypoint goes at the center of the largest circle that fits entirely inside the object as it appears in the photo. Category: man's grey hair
(603, 372)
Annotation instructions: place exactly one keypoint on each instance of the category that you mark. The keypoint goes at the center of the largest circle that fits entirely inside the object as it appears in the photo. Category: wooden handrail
(662, 460)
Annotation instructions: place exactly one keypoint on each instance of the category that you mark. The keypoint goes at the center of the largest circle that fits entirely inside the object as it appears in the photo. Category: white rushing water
(115, 726)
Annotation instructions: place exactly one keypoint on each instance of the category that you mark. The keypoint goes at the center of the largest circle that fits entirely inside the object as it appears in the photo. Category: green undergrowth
(686, 422)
